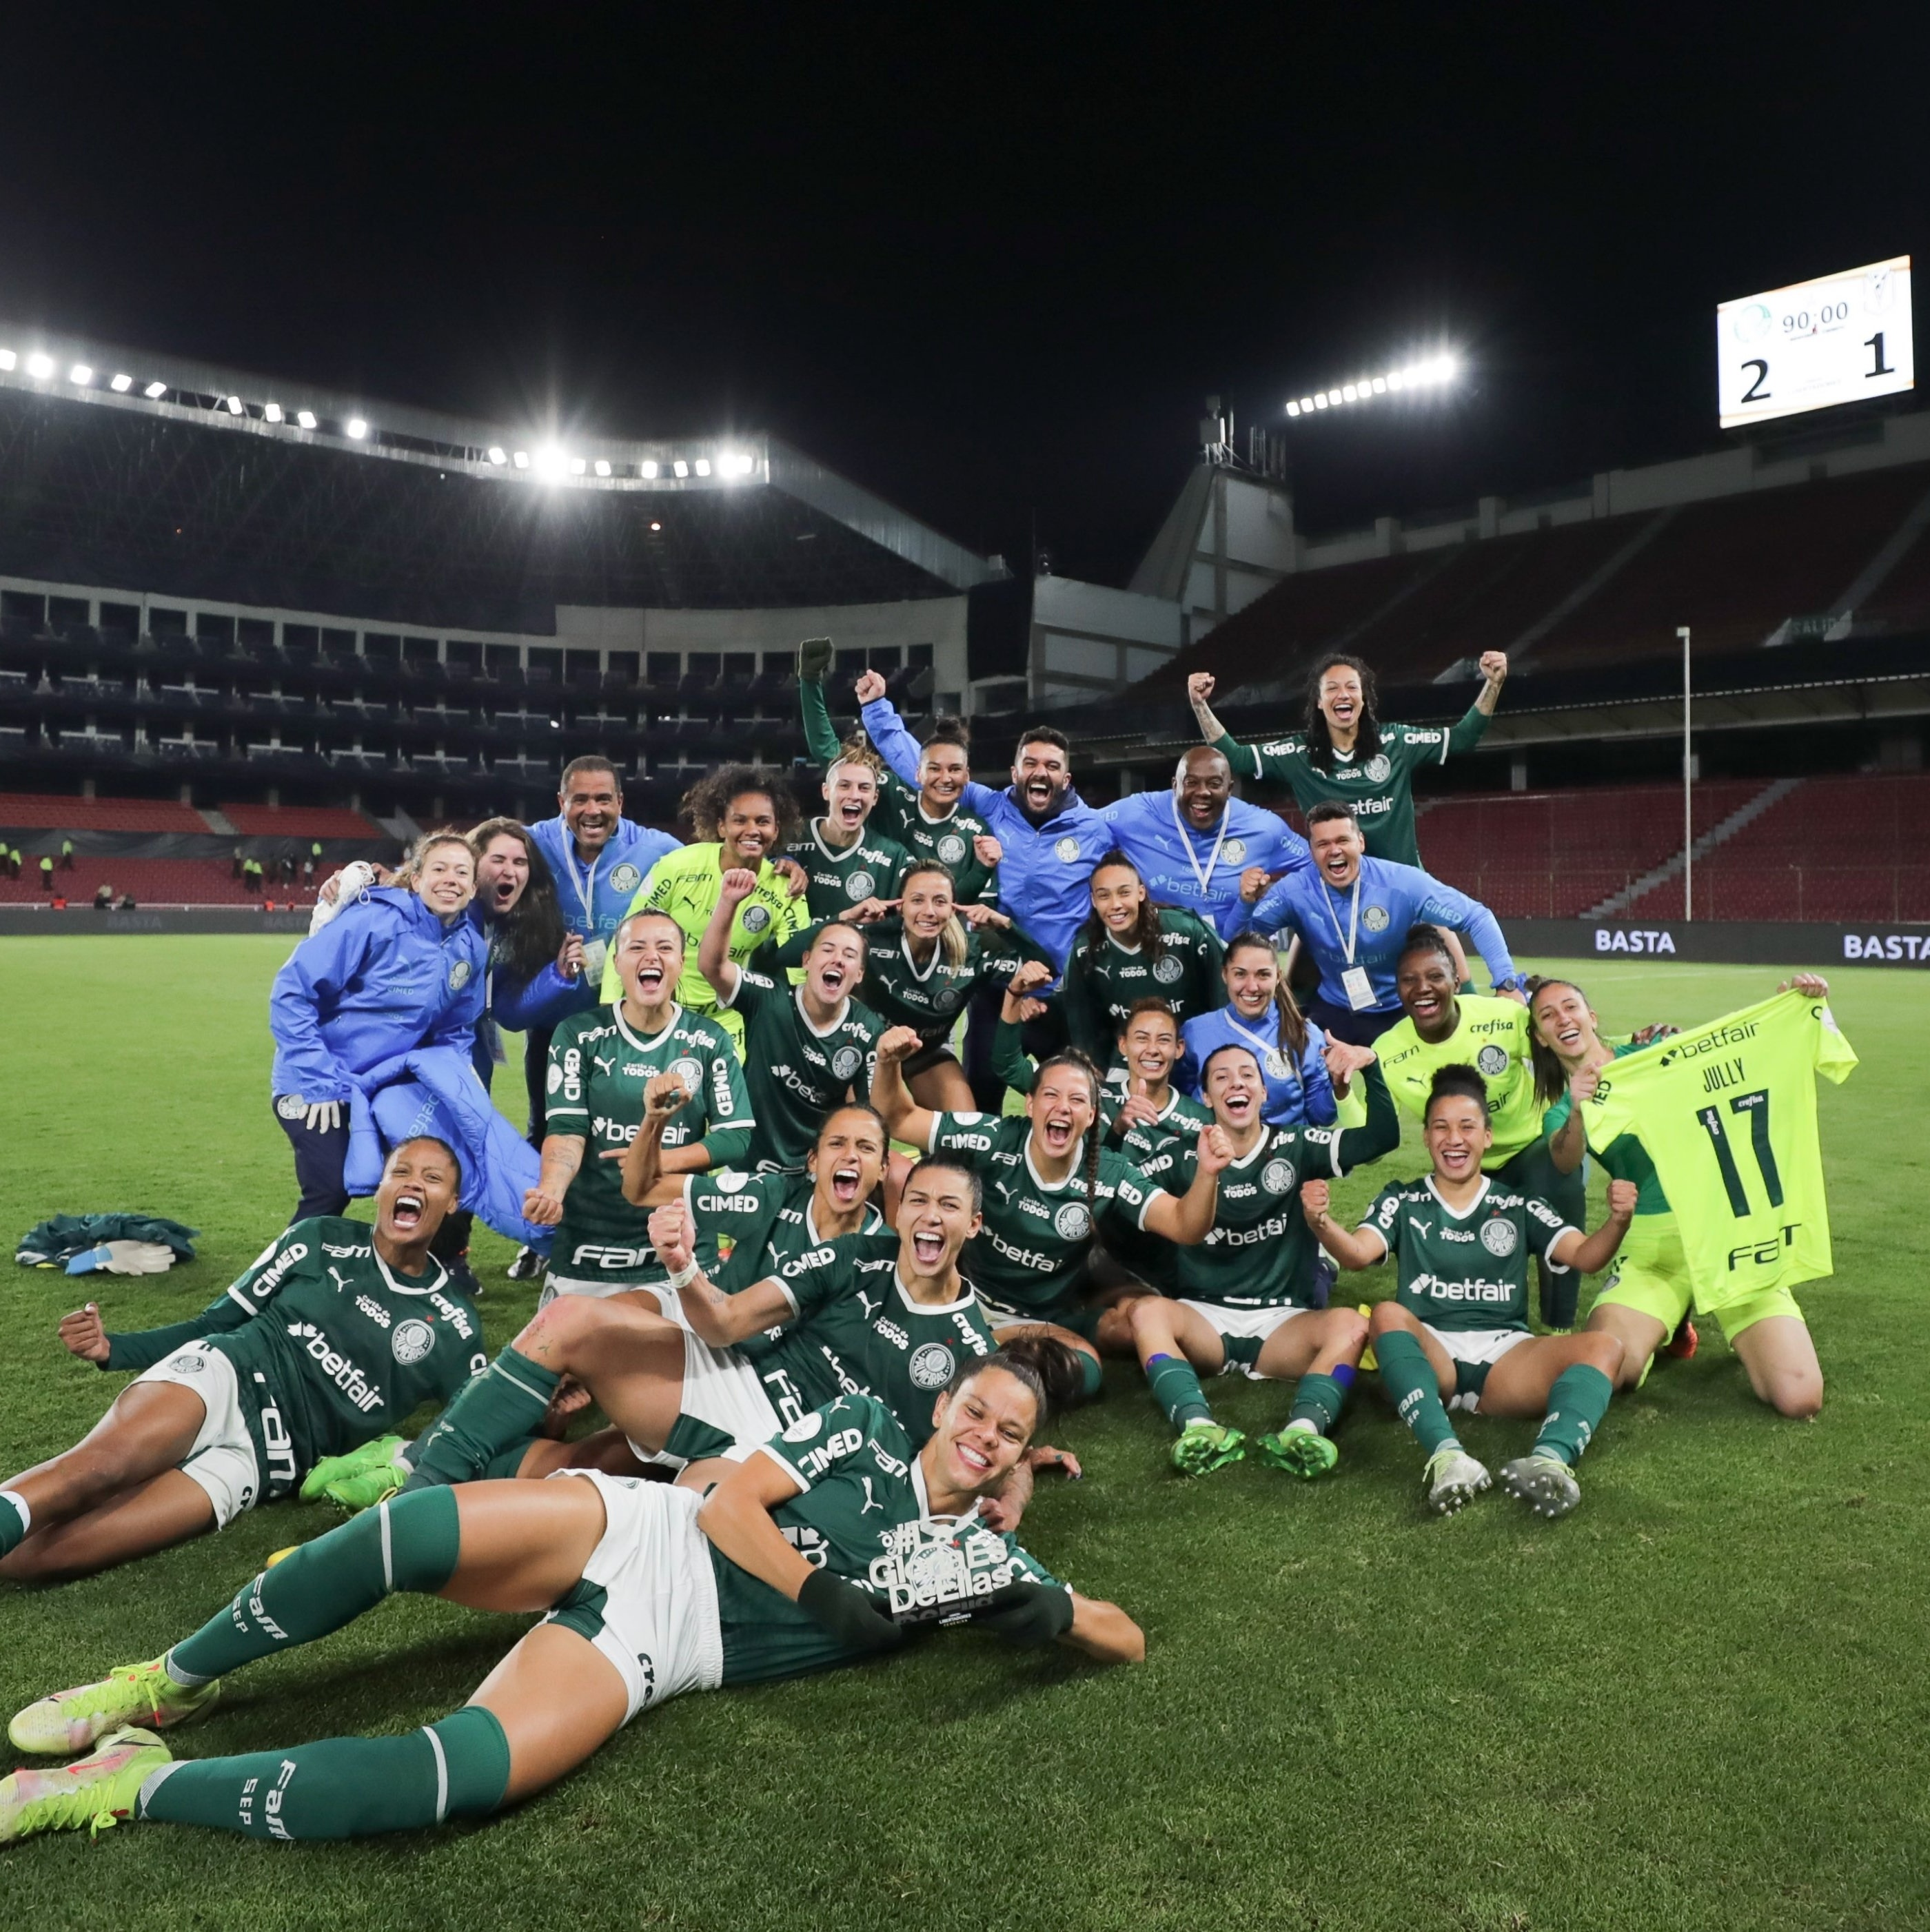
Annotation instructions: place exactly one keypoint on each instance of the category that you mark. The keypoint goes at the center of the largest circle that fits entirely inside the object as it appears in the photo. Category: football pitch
(1699, 1702)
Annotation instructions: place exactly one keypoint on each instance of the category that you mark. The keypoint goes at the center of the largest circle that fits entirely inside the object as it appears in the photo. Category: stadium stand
(149, 882)
(41, 812)
(272, 821)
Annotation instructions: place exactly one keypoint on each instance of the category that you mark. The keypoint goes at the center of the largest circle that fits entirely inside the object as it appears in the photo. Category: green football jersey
(1102, 983)
(869, 868)
(859, 1332)
(598, 1070)
(1032, 1252)
(1727, 1113)
(1491, 1036)
(1465, 1269)
(1379, 788)
(930, 998)
(757, 1222)
(1149, 1257)
(900, 815)
(1625, 1157)
(794, 1074)
(862, 1512)
(331, 1348)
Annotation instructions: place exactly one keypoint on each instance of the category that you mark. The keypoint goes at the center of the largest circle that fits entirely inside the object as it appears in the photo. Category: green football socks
(504, 1404)
(1577, 1403)
(1412, 1387)
(409, 1543)
(1318, 1399)
(341, 1787)
(1175, 1386)
(16, 1518)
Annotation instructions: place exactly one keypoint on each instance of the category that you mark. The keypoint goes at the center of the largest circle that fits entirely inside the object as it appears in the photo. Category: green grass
(1699, 1702)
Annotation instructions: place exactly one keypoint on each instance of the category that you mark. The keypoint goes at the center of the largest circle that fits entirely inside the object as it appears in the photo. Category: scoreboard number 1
(1815, 345)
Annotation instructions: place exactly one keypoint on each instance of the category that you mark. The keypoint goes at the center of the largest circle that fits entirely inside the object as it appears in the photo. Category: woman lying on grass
(646, 1591)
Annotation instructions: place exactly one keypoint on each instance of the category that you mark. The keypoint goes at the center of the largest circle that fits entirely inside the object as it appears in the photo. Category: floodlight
(8, 358)
(1396, 379)
(234, 406)
(522, 459)
(1348, 393)
(603, 466)
(1320, 400)
(1449, 366)
(80, 375)
(154, 392)
(1293, 409)
(306, 417)
(121, 384)
(40, 367)
(578, 465)
(1380, 386)
(648, 467)
(357, 428)
(656, 526)
(498, 455)
(681, 468)
(703, 465)
(271, 412)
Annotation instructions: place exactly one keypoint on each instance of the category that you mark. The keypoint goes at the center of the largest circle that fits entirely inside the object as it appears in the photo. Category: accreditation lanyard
(1275, 1063)
(1354, 979)
(1203, 874)
(594, 947)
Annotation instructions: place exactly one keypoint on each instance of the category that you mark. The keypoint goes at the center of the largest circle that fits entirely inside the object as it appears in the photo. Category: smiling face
(1150, 1047)
(936, 1215)
(1234, 1088)
(1565, 1021)
(1252, 974)
(445, 880)
(1118, 893)
(835, 965)
(650, 956)
(418, 1187)
(979, 1430)
(1457, 1134)
(850, 790)
(1042, 775)
(502, 873)
(749, 830)
(846, 1163)
(927, 906)
(1340, 699)
(1426, 981)
(1337, 848)
(592, 803)
(1062, 1108)
(943, 772)
(1205, 785)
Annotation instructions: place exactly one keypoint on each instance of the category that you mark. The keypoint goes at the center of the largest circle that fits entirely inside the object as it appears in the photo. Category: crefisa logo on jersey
(846, 1061)
(1491, 1060)
(930, 1366)
(1166, 969)
(411, 1341)
(1072, 1222)
(1277, 1177)
(951, 849)
(626, 878)
(1499, 1238)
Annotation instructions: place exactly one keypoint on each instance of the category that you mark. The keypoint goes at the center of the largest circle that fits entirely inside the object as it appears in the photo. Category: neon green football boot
(93, 1794)
(1303, 1453)
(70, 1720)
(1202, 1447)
(332, 1471)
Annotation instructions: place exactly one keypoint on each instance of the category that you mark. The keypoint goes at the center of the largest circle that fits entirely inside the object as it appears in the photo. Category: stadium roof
(160, 474)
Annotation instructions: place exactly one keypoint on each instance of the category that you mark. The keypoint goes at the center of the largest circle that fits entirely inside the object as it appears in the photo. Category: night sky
(987, 265)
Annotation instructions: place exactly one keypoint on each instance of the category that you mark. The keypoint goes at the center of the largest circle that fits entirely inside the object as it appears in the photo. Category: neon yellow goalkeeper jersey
(1727, 1113)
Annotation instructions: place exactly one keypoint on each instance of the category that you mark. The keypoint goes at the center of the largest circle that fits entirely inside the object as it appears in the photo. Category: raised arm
(1187, 1218)
(902, 751)
(1444, 906)
(1244, 759)
(1590, 1254)
(904, 1119)
(1351, 1248)
(1380, 1133)
(562, 1155)
(720, 1319)
(1568, 1141)
(645, 1184)
(713, 950)
(821, 735)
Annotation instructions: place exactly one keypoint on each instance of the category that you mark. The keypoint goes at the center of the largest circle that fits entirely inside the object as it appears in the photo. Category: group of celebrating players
(826, 1287)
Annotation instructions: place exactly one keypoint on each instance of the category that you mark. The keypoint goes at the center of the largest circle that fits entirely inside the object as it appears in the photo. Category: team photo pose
(646, 1591)
(1245, 1296)
(1456, 1330)
(333, 1335)
(1261, 1014)
(1049, 1177)
(1351, 912)
(1139, 1104)
(1344, 751)
(398, 968)
(846, 861)
(742, 819)
(1649, 1303)
(600, 1066)
(807, 1047)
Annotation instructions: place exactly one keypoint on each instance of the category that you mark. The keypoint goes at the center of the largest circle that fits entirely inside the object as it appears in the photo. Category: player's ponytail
(1290, 1023)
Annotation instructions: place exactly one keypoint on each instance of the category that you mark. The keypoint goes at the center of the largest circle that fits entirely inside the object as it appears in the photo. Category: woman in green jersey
(1049, 1178)
(1344, 751)
(1456, 1329)
(1131, 949)
(1649, 1300)
(849, 863)
(831, 1541)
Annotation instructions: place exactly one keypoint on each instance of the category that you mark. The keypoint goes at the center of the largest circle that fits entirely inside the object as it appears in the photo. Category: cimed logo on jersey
(1499, 1238)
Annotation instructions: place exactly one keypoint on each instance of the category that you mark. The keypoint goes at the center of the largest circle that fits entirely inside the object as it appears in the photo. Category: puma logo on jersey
(871, 1502)
(602, 1065)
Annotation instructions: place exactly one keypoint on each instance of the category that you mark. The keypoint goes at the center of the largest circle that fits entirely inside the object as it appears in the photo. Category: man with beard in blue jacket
(398, 968)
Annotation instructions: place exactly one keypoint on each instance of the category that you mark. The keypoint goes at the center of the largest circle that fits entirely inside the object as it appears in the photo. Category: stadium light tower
(1433, 372)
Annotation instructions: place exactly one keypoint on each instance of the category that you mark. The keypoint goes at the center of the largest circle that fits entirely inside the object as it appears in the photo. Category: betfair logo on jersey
(1766, 1252)
(1436, 1289)
(336, 1367)
(1271, 1229)
(1716, 1039)
(929, 1569)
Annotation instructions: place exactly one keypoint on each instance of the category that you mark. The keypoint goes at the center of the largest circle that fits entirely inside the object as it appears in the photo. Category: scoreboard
(1815, 344)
